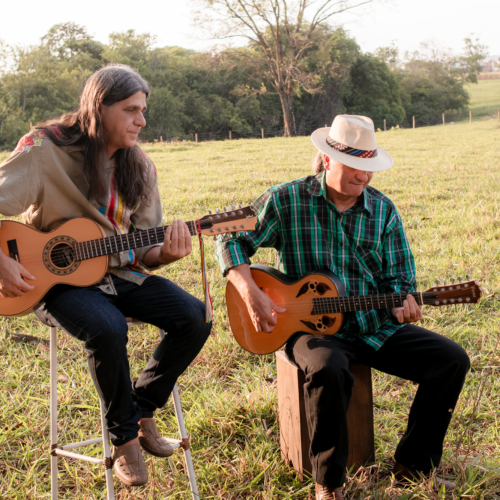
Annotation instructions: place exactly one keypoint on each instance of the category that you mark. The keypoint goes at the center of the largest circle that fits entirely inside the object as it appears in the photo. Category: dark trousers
(98, 319)
(436, 363)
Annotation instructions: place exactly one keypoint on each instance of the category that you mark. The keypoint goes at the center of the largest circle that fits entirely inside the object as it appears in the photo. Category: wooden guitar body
(42, 254)
(316, 304)
(296, 296)
(76, 253)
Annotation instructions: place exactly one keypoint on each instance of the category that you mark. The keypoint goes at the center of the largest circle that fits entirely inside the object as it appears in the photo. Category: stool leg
(110, 489)
(53, 413)
(183, 433)
(187, 453)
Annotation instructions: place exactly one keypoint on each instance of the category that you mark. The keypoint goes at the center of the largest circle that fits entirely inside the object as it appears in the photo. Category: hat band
(360, 153)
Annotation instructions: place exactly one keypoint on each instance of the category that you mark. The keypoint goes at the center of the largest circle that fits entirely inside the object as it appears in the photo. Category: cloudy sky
(406, 22)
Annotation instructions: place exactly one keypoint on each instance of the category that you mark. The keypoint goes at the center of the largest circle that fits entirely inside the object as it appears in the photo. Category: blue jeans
(98, 319)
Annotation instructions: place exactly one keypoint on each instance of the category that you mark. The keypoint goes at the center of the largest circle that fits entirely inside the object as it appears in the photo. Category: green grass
(484, 97)
(445, 184)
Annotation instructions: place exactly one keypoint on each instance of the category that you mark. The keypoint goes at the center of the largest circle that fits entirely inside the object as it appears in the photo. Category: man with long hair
(88, 164)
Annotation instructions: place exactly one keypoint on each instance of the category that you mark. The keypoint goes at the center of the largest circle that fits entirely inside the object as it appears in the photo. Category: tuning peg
(210, 212)
(444, 281)
(225, 209)
(453, 280)
(239, 205)
(460, 278)
(437, 281)
(217, 210)
(467, 276)
(232, 207)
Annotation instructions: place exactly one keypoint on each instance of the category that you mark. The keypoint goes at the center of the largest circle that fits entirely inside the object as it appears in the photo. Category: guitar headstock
(231, 220)
(464, 292)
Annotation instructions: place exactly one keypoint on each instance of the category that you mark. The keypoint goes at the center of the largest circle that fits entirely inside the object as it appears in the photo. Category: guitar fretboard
(123, 242)
(330, 305)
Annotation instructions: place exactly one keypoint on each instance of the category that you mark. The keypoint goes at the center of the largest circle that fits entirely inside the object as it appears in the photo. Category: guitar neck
(123, 242)
(330, 305)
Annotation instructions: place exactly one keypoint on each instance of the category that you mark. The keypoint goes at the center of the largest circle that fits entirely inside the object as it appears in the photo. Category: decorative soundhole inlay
(59, 256)
(314, 287)
(321, 324)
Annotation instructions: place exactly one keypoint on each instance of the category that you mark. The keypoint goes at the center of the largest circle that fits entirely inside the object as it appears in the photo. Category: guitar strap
(209, 309)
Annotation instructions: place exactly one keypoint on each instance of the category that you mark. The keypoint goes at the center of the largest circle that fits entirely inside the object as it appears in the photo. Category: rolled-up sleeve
(20, 185)
(232, 250)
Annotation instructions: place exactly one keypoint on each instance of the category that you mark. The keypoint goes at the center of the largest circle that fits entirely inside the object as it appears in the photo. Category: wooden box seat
(294, 435)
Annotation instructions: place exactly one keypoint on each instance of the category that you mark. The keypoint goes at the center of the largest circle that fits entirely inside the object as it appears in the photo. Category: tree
(375, 91)
(390, 55)
(279, 36)
(429, 90)
(467, 66)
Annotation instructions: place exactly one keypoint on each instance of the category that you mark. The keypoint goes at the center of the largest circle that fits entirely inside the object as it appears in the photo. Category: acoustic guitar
(316, 303)
(76, 253)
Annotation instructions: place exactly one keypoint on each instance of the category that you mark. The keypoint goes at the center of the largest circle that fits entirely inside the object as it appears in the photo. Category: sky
(404, 22)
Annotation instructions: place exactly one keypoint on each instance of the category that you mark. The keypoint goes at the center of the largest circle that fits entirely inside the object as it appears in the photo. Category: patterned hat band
(360, 153)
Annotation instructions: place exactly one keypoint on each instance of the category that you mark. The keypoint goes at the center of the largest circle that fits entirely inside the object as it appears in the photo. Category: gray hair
(318, 164)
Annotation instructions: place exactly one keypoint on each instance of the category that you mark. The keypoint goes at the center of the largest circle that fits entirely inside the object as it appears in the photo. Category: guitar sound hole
(62, 255)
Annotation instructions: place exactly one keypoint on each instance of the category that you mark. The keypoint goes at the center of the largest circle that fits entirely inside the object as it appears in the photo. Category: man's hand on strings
(261, 308)
(411, 312)
(177, 243)
(11, 278)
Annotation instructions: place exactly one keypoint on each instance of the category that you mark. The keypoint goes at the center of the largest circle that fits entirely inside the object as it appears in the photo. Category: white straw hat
(351, 141)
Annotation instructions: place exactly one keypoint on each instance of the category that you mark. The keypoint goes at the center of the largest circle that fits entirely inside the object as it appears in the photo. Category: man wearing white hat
(335, 221)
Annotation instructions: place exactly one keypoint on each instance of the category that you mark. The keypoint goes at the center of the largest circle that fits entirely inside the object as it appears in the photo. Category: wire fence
(490, 112)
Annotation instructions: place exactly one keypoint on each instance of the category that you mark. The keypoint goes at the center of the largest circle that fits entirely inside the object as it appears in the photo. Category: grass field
(445, 184)
(484, 97)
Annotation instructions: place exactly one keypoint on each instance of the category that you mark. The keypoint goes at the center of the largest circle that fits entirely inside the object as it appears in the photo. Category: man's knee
(108, 333)
(195, 319)
(455, 362)
(461, 361)
(332, 370)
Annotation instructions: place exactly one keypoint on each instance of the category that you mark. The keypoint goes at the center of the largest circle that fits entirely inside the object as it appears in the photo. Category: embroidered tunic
(46, 184)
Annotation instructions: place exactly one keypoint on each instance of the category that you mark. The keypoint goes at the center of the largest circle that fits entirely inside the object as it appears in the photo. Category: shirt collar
(317, 187)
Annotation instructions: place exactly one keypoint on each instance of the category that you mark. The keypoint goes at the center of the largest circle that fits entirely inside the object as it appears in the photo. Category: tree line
(221, 91)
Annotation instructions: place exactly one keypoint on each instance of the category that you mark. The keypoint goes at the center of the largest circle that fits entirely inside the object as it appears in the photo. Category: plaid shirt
(366, 247)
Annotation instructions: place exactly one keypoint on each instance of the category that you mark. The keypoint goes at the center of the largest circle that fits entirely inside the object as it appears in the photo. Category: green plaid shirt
(366, 247)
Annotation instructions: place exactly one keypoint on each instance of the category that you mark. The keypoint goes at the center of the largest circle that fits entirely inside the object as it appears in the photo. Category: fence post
(385, 128)
(196, 137)
(161, 138)
(413, 122)
(229, 135)
(470, 115)
(443, 118)
(262, 132)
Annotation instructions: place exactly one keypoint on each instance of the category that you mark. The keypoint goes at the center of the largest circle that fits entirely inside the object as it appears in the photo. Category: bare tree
(280, 32)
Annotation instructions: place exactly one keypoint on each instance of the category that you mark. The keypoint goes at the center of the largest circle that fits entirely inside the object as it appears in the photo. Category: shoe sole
(127, 482)
(151, 452)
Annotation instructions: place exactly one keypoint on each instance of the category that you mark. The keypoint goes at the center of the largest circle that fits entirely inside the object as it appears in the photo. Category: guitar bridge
(13, 250)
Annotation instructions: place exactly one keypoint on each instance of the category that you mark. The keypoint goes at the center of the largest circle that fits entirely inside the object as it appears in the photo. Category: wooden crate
(294, 435)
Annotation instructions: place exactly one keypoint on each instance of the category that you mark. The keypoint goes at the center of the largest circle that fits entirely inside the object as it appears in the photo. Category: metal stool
(58, 450)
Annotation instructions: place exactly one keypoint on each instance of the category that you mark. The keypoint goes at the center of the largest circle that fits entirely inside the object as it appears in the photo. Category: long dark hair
(110, 84)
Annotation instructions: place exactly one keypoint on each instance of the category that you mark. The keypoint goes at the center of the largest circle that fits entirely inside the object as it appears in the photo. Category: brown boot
(325, 493)
(404, 474)
(129, 465)
(152, 442)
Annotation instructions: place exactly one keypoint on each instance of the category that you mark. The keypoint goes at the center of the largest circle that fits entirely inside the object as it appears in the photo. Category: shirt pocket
(369, 260)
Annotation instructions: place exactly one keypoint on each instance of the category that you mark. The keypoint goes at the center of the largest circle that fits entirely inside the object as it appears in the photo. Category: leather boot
(325, 493)
(152, 442)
